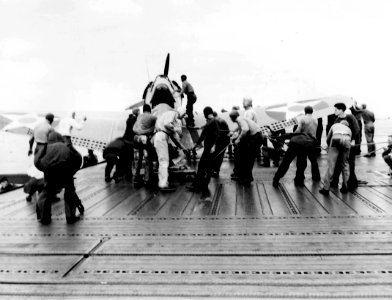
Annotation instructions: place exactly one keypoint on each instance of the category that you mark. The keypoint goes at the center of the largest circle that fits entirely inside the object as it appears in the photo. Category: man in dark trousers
(309, 125)
(188, 90)
(340, 114)
(209, 135)
(115, 155)
(368, 120)
(59, 162)
(144, 130)
(356, 111)
(221, 144)
(41, 133)
(128, 139)
(299, 146)
(248, 144)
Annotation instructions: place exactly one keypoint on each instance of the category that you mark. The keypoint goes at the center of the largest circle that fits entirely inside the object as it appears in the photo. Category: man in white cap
(168, 125)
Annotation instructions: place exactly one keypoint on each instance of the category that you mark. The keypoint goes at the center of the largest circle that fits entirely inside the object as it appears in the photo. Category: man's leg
(352, 182)
(312, 155)
(162, 149)
(285, 164)
(301, 166)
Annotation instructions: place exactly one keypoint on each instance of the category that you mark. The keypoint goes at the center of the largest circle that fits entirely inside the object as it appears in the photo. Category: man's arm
(75, 124)
(244, 129)
(31, 143)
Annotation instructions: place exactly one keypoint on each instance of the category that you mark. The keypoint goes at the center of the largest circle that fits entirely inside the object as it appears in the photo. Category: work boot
(72, 220)
(343, 189)
(81, 208)
(324, 192)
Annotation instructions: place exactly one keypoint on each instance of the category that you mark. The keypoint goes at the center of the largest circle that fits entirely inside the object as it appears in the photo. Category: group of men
(155, 135)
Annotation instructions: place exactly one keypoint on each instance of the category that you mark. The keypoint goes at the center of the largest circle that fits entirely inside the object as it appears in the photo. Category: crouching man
(59, 164)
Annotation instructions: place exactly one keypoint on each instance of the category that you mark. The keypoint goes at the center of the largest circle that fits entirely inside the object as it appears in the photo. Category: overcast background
(100, 54)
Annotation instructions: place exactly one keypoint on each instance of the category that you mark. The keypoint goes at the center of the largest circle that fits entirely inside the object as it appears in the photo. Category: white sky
(100, 54)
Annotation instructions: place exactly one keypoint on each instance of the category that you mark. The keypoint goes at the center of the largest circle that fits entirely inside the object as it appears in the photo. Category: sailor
(128, 138)
(308, 125)
(352, 182)
(233, 135)
(5, 185)
(188, 90)
(222, 143)
(115, 155)
(67, 124)
(209, 136)
(249, 111)
(90, 159)
(59, 162)
(144, 129)
(368, 120)
(356, 111)
(339, 142)
(248, 144)
(250, 114)
(40, 134)
(167, 126)
(299, 146)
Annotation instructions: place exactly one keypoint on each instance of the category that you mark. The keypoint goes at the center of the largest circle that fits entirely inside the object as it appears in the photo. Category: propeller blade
(137, 104)
(166, 71)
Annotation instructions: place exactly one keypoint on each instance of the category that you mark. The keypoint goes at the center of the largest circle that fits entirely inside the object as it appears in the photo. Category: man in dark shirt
(356, 111)
(210, 136)
(352, 183)
(128, 139)
(368, 120)
(188, 90)
(221, 144)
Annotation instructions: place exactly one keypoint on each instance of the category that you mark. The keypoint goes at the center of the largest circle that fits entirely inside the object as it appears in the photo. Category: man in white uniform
(67, 124)
(168, 124)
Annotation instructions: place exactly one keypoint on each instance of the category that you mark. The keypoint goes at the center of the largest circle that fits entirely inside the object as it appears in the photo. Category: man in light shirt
(168, 125)
(249, 111)
(308, 125)
(188, 90)
(41, 133)
(67, 124)
(249, 142)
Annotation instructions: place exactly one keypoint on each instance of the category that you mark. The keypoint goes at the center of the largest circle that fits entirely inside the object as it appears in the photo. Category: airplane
(162, 94)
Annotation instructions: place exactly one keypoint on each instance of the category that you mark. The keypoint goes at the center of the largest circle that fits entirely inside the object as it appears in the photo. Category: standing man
(248, 144)
(144, 129)
(339, 142)
(222, 143)
(308, 125)
(168, 125)
(41, 133)
(249, 111)
(356, 111)
(210, 136)
(188, 90)
(299, 146)
(67, 124)
(352, 182)
(251, 115)
(128, 139)
(368, 120)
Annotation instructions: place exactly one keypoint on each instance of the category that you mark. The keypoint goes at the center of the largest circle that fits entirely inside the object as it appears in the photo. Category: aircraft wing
(23, 124)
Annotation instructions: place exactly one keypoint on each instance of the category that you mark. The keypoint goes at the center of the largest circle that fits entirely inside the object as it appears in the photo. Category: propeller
(166, 71)
(137, 104)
